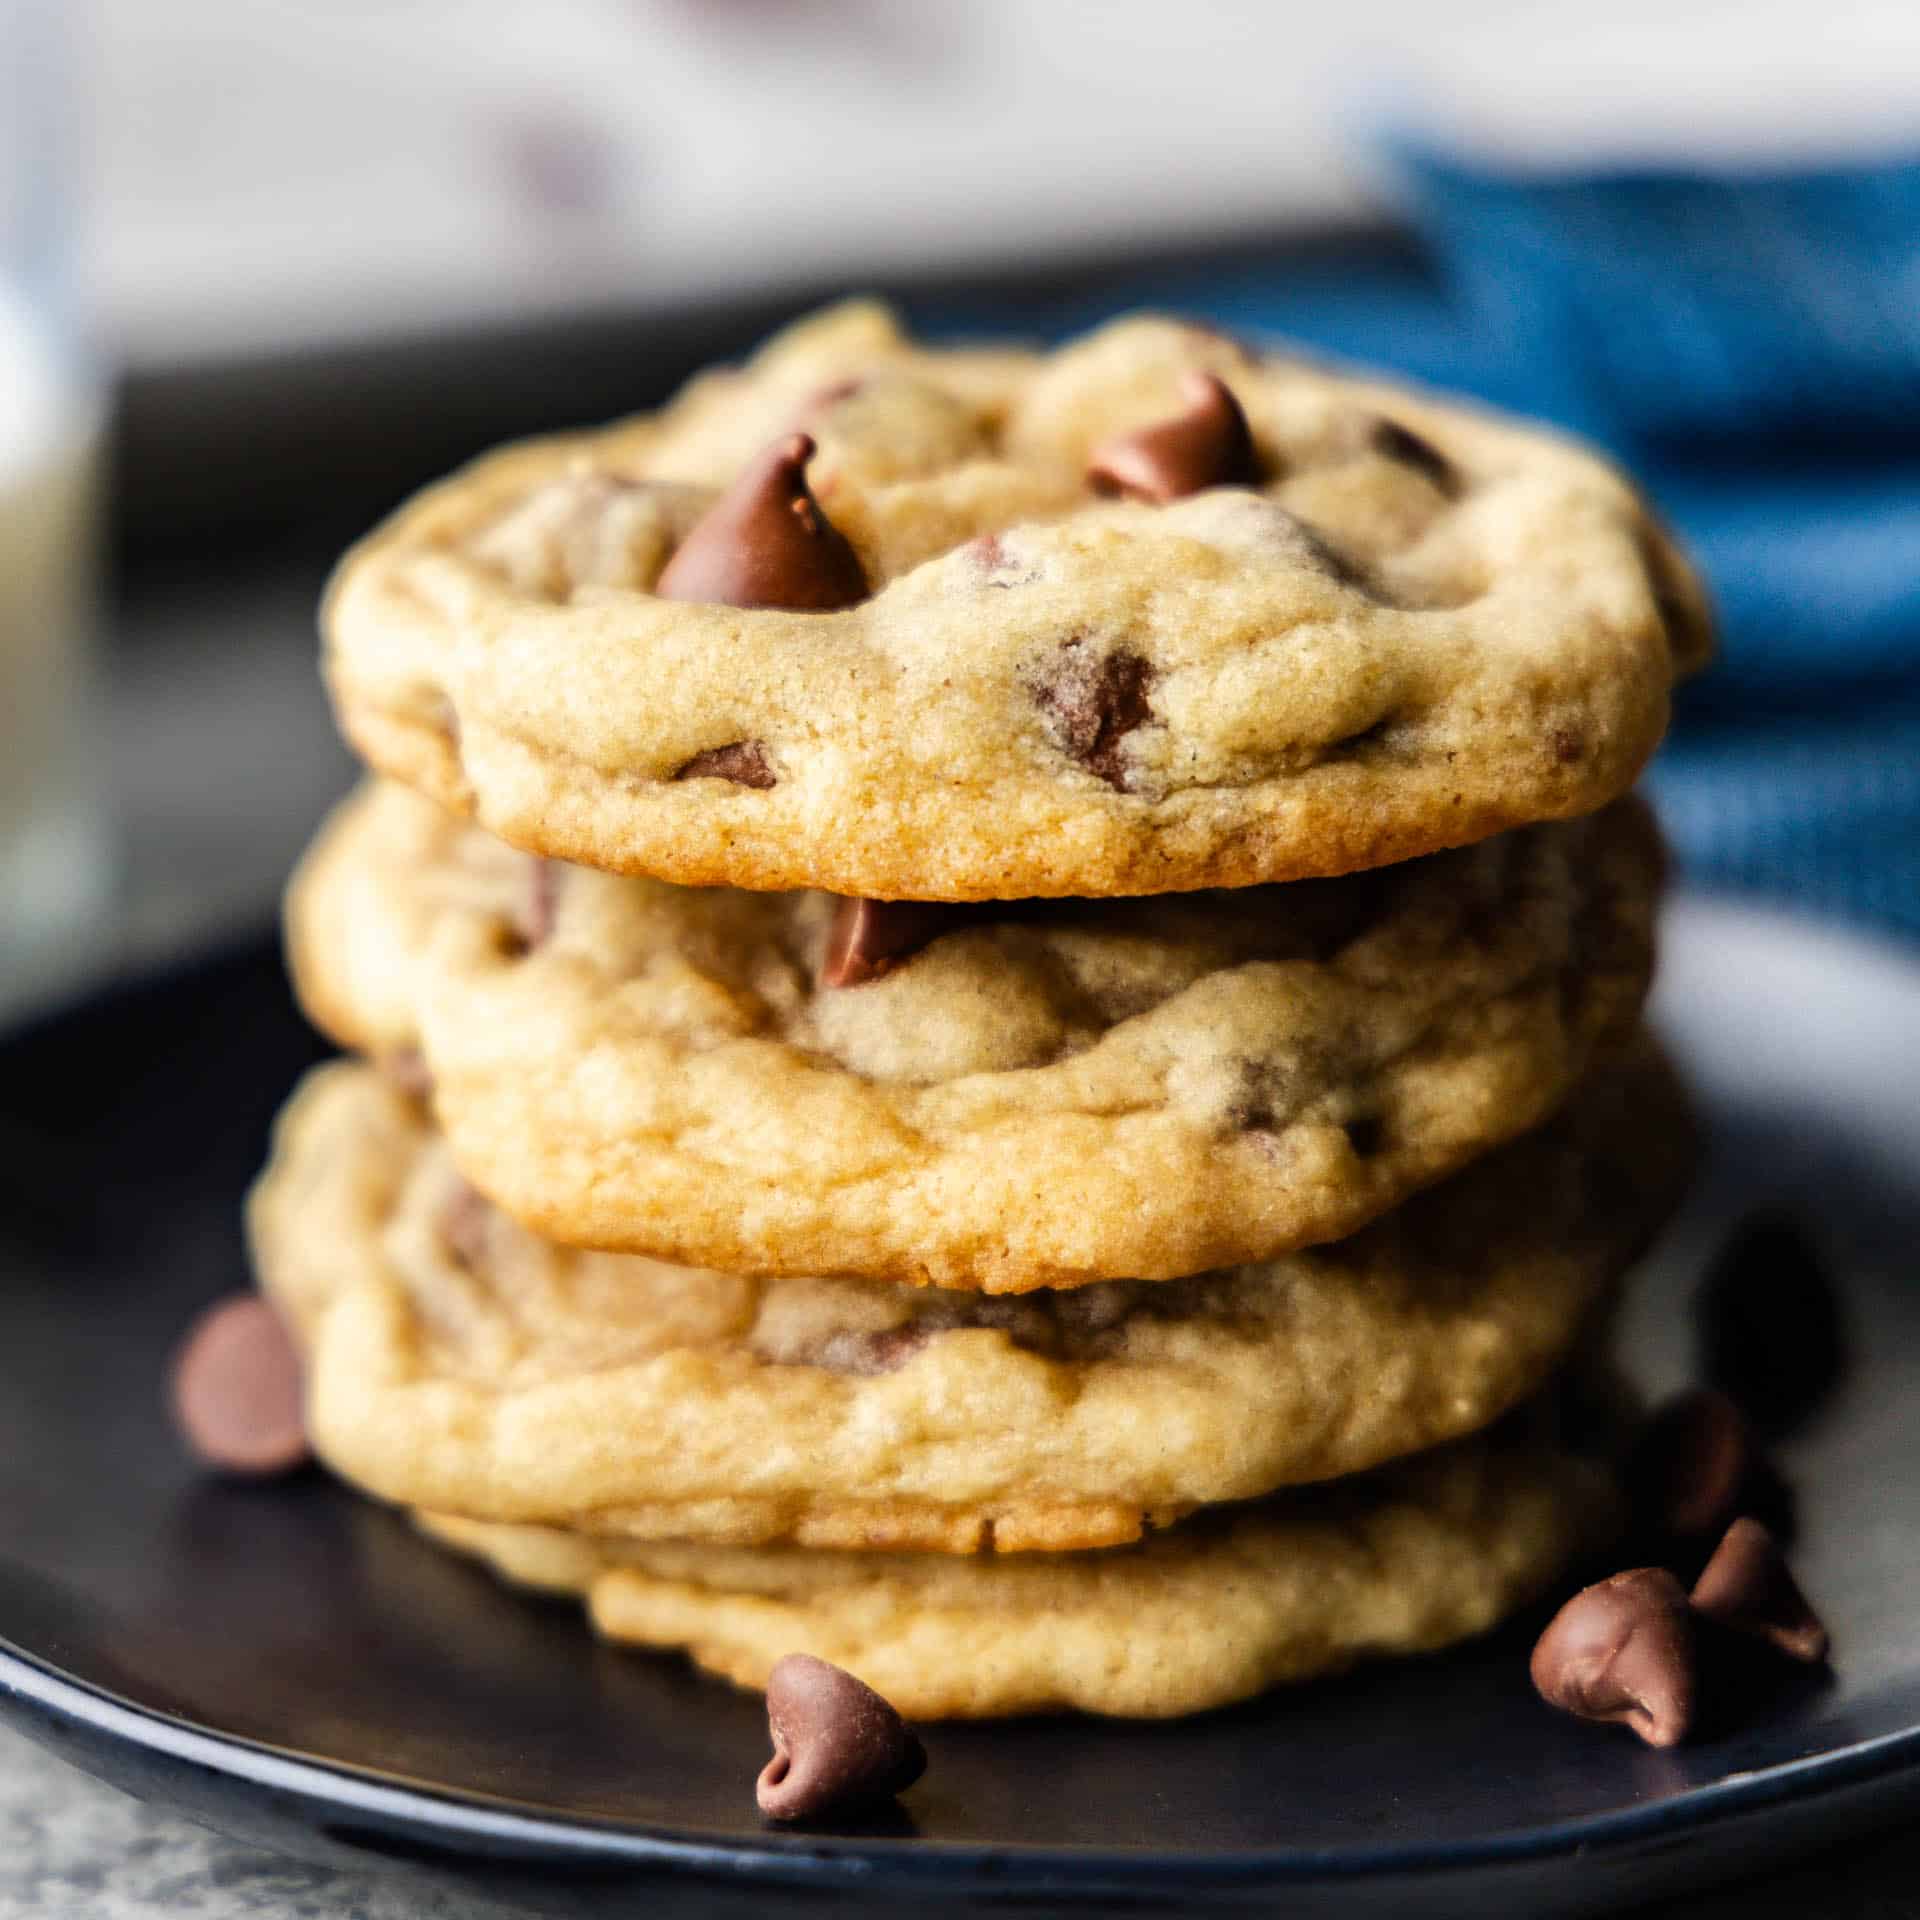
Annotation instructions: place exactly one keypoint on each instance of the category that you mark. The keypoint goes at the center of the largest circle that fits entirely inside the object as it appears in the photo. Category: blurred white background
(280, 172)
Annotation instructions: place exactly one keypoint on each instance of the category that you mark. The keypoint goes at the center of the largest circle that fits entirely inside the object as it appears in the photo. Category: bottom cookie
(1401, 1561)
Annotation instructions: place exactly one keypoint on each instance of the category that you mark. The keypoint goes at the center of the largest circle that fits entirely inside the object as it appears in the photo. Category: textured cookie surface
(1212, 1611)
(1076, 1091)
(458, 1363)
(1415, 626)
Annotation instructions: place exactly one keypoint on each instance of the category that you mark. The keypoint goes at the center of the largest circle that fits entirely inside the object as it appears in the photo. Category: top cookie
(1143, 615)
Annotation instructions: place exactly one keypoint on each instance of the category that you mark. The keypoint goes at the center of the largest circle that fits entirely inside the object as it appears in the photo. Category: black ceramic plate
(293, 1665)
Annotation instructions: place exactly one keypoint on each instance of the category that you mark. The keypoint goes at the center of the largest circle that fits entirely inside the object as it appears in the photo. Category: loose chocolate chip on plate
(869, 938)
(236, 1390)
(1207, 444)
(1769, 1323)
(766, 543)
(744, 762)
(1622, 1653)
(1748, 1586)
(837, 1744)
(1696, 1465)
(1091, 701)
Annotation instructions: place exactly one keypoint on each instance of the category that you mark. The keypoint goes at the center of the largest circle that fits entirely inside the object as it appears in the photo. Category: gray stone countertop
(71, 1849)
(223, 759)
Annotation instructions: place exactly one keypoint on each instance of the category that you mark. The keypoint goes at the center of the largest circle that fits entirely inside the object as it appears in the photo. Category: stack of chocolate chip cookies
(998, 999)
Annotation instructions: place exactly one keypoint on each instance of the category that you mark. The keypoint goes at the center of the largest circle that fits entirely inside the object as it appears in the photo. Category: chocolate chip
(885, 1351)
(836, 1743)
(236, 1390)
(869, 938)
(1770, 1329)
(1622, 1653)
(1696, 1465)
(766, 543)
(1091, 701)
(1748, 1586)
(1392, 441)
(1567, 745)
(1206, 445)
(744, 762)
(1099, 1308)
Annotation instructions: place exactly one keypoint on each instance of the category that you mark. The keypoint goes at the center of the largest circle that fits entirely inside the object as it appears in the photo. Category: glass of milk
(54, 869)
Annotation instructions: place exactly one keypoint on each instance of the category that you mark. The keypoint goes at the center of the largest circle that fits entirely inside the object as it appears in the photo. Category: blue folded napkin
(1757, 308)
(1750, 347)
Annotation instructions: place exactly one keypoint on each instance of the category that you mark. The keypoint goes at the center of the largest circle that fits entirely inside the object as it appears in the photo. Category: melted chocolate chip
(1697, 1465)
(1770, 1328)
(1568, 747)
(1091, 702)
(1622, 1653)
(744, 762)
(1102, 1306)
(869, 938)
(1260, 1095)
(1208, 444)
(837, 1744)
(1038, 1323)
(1392, 441)
(1748, 1586)
(866, 1354)
(766, 543)
(237, 1394)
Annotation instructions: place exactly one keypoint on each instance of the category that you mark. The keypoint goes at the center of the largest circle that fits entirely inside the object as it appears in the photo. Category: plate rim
(33, 1690)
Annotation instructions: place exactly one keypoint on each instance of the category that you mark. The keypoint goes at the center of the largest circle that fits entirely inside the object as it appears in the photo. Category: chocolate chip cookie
(1000, 1099)
(1213, 1611)
(459, 1363)
(1147, 614)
